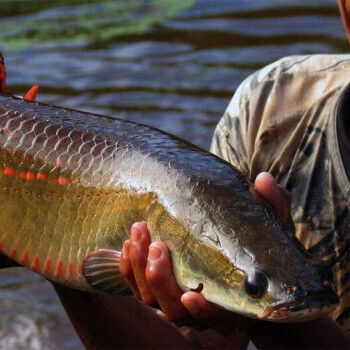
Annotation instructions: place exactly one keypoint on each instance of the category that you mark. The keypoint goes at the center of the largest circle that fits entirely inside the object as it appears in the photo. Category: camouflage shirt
(282, 119)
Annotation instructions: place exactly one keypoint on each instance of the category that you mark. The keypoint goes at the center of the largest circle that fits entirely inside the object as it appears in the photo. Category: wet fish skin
(73, 182)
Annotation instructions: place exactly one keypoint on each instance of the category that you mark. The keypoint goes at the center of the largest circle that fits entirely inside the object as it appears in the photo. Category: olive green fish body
(72, 184)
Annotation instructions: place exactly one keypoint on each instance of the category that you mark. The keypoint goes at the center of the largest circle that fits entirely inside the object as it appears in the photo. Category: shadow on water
(171, 64)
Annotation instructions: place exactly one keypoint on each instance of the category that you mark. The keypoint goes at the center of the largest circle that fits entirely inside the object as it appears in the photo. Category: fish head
(246, 261)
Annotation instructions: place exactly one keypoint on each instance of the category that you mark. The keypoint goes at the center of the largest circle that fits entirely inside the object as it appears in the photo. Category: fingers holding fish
(126, 268)
(161, 280)
(157, 279)
(139, 243)
(176, 305)
(136, 256)
(265, 184)
(148, 271)
(276, 195)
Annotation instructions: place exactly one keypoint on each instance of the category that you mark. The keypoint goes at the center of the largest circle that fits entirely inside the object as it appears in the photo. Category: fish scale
(38, 131)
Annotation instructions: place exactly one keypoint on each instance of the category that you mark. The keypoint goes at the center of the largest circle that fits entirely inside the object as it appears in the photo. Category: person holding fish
(288, 119)
(187, 320)
(58, 165)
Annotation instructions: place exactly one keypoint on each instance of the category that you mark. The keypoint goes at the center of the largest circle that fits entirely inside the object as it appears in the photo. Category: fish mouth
(301, 310)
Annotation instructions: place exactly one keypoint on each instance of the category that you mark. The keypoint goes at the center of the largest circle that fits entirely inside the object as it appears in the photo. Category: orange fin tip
(31, 94)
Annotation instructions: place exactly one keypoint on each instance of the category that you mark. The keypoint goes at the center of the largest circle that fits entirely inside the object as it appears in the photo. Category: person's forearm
(114, 322)
(322, 333)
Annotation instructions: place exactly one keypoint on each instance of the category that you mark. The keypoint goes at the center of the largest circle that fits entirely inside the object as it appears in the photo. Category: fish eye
(256, 284)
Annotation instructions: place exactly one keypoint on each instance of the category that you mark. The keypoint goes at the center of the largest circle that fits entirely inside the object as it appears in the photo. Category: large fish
(73, 183)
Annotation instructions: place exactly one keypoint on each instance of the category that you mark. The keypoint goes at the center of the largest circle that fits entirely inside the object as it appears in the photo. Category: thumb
(276, 195)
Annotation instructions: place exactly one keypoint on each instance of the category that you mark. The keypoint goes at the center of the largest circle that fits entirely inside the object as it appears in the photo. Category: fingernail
(126, 250)
(272, 181)
(143, 228)
(135, 235)
(154, 253)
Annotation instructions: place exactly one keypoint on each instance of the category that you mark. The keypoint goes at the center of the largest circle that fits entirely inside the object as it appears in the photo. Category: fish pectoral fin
(31, 93)
(101, 271)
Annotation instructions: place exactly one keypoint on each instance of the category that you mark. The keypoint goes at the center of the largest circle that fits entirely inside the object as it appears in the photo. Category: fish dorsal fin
(101, 271)
(2, 75)
(31, 93)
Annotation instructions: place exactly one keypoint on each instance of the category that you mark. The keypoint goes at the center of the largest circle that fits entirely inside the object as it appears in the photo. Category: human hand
(148, 271)
(277, 196)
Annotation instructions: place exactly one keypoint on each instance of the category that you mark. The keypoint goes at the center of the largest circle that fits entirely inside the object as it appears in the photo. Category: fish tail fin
(2, 74)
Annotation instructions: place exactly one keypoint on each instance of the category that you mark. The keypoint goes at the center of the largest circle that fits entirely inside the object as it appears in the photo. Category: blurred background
(171, 64)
